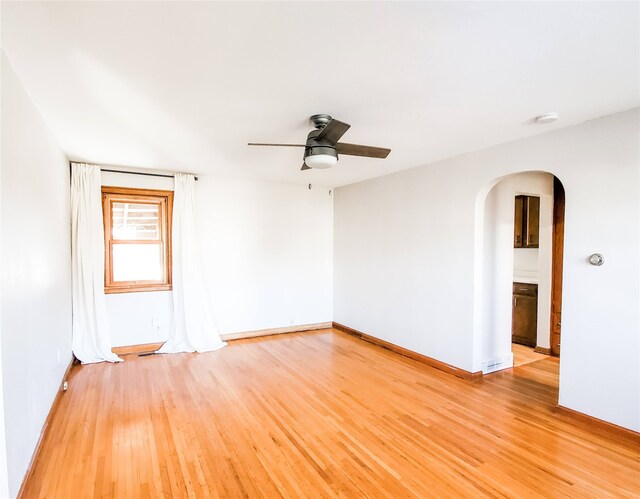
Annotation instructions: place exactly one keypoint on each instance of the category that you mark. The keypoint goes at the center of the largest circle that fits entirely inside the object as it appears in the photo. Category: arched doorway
(504, 268)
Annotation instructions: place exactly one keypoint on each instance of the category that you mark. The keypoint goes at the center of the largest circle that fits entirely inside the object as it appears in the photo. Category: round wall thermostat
(596, 259)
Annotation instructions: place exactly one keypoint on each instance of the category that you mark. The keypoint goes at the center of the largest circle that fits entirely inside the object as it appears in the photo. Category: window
(137, 239)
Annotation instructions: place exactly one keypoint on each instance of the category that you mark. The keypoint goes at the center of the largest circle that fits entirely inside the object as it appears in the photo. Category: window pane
(137, 262)
(135, 221)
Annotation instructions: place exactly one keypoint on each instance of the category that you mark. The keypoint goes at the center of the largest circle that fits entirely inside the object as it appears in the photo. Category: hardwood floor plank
(320, 414)
(525, 355)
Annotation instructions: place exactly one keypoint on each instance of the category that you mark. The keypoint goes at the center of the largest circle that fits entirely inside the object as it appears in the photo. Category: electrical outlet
(155, 323)
(65, 385)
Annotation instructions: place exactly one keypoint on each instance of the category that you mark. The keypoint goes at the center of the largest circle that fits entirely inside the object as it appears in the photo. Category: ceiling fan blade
(333, 131)
(277, 145)
(305, 167)
(359, 150)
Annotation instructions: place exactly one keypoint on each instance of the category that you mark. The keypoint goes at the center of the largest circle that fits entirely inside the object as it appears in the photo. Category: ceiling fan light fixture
(321, 161)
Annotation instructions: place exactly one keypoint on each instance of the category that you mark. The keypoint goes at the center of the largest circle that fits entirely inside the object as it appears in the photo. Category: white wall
(501, 268)
(409, 256)
(525, 265)
(268, 251)
(267, 257)
(4, 476)
(36, 272)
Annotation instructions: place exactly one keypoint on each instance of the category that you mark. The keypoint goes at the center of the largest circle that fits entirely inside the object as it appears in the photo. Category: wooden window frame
(164, 200)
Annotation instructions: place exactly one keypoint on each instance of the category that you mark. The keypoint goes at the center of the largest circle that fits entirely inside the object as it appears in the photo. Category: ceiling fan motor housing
(316, 148)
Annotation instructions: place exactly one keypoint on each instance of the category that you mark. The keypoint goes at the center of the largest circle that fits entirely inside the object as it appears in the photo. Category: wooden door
(556, 272)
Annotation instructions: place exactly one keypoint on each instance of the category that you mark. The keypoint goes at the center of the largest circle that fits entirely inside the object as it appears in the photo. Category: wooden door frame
(557, 262)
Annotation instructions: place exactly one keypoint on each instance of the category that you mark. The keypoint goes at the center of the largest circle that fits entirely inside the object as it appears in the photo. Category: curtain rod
(141, 173)
(129, 172)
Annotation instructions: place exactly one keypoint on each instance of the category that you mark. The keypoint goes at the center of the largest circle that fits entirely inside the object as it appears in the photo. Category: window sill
(137, 289)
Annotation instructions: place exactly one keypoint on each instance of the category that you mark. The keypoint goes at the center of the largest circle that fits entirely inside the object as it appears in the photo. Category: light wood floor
(321, 414)
(525, 355)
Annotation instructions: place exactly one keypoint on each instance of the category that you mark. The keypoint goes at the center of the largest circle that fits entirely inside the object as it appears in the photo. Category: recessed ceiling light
(547, 118)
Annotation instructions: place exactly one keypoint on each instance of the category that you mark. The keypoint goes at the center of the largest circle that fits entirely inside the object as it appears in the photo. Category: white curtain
(91, 341)
(192, 329)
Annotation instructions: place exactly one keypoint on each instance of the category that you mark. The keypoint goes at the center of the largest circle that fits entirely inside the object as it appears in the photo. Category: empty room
(320, 249)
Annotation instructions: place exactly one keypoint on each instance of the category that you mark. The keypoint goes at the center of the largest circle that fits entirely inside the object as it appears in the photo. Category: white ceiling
(185, 86)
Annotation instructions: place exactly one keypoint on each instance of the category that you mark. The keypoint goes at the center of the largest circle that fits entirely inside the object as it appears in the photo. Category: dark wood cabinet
(518, 224)
(526, 227)
(524, 327)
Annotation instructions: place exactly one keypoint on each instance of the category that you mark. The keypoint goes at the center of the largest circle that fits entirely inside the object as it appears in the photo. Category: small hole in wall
(309, 186)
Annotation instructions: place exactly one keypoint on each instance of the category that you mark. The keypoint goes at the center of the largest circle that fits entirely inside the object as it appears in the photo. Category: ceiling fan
(322, 147)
